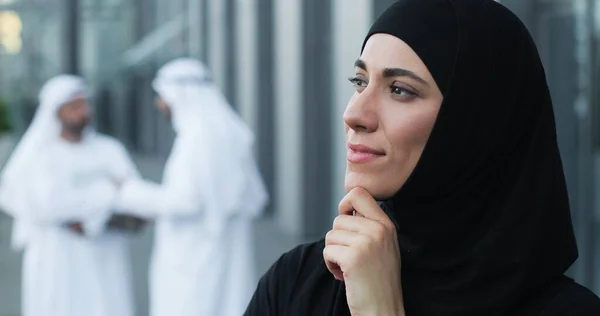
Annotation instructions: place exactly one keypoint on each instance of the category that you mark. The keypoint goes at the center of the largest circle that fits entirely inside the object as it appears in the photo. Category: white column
(288, 116)
(350, 25)
(195, 28)
(216, 40)
(89, 48)
(246, 57)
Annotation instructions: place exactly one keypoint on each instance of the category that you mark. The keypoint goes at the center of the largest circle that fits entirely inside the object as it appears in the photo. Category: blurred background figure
(202, 263)
(283, 67)
(59, 186)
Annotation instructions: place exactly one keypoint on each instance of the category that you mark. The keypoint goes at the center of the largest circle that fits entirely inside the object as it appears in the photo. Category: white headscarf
(44, 129)
(198, 107)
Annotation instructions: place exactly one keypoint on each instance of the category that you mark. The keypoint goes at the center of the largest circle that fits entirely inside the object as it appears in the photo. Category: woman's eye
(402, 91)
(358, 83)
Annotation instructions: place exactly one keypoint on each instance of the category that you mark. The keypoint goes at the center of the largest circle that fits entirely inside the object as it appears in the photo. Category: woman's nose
(361, 113)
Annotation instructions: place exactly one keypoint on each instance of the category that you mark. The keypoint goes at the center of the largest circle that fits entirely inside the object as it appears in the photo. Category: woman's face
(390, 116)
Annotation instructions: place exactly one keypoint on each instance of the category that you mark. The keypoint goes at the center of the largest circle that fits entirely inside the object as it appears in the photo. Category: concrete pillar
(216, 41)
(265, 96)
(288, 114)
(195, 39)
(70, 37)
(245, 76)
(317, 109)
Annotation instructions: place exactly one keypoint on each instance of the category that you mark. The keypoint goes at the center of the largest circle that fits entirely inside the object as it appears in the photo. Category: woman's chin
(375, 187)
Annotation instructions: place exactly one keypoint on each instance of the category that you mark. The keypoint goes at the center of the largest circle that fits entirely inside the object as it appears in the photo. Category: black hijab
(483, 221)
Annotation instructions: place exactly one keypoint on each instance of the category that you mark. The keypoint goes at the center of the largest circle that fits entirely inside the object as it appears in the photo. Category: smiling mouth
(362, 154)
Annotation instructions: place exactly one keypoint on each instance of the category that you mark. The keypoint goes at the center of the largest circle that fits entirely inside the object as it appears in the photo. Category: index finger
(361, 201)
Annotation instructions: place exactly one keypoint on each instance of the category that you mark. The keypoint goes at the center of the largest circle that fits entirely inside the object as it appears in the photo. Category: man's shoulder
(107, 141)
(105, 138)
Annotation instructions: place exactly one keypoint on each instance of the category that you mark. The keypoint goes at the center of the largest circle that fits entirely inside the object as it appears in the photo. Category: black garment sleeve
(265, 298)
(587, 305)
(576, 300)
(276, 286)
(588, 308)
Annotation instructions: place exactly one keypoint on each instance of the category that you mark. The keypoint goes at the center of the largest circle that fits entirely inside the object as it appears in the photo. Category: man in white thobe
(203, 262)
(60, 185)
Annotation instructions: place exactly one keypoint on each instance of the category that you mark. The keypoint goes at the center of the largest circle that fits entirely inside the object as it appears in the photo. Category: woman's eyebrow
(359, 63)
(399, 72)
(392, 72)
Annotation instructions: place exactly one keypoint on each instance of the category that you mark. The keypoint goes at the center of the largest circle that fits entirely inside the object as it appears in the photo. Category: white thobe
(65, 274)
(202, 264)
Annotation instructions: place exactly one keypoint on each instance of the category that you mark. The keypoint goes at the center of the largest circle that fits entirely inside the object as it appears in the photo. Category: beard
(75, 128)
(167, 115)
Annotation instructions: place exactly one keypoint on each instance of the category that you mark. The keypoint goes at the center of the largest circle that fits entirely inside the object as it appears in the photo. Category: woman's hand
(363, 251)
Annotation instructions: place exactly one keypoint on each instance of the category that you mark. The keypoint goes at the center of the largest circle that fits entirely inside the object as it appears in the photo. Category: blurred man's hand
(127, 223)
(76, 227)
(117, 182)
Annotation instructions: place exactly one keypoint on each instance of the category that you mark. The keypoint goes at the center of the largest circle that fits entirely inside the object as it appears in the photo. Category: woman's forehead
(384, 51)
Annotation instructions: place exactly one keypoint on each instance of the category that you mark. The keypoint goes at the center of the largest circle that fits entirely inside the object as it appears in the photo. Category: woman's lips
(361, 154)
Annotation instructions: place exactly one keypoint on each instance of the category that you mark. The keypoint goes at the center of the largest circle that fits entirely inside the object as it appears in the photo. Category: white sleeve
(123, 168)
(52, 198)
(127, 168)
(96, 225)
(177, 196)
